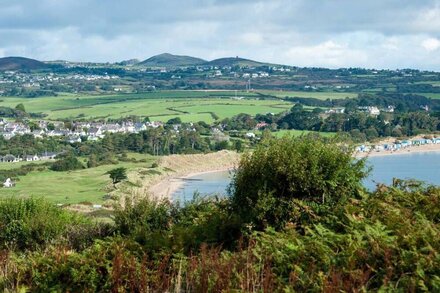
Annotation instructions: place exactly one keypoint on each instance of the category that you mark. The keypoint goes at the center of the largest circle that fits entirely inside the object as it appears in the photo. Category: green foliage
(145, 215)
(28, 144)
(161, 225)
(67, 164)
(22, 171)
(12, 113)
(92, 162)
(20, 107)
(268, 181)
(352, 241)
(32, 223)
(176, 120)
(384, 241)
(118, 174)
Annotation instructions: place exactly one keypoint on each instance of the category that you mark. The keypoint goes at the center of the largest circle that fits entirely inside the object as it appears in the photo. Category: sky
(382, 34)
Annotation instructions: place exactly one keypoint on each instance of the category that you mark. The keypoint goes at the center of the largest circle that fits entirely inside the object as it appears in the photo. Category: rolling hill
(21, 63)
(169, 60)
(234, 61)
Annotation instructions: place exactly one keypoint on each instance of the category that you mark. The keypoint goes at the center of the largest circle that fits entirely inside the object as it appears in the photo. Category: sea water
(420, 166)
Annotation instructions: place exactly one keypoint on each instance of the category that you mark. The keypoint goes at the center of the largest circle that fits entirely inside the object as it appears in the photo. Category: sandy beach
(408, 150)
(167, 186)
(176, 168)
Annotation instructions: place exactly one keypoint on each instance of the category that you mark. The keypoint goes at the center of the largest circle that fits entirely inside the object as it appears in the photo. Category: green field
(190, 106)
(431, 95)
(72, 186)
(295, 132)
(316, 95)
(433, 83)
(10, 166)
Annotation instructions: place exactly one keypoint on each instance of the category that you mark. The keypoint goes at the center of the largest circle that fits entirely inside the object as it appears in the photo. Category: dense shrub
(147, 214)
(353, 241)
(67, 164)
(269, 181)
(22, 171)
(32, 223)
(386, 241)
(162, 226)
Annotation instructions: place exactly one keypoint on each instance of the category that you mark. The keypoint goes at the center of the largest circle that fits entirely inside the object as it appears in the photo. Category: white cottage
(8, 183)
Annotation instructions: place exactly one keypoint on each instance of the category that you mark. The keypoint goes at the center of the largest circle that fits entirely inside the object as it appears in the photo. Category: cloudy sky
(334, 33)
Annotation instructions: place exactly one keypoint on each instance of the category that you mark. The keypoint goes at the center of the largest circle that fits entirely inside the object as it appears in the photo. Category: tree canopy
(118, 174)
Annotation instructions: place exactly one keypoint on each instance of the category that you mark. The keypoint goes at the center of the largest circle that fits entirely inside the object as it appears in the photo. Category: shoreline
(428, 148)
(165, 188)
(186, 166)
(177, 168)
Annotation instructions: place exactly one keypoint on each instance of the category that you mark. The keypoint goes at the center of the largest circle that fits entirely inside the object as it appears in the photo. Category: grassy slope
(295, 132)
(71, 186)
(432, 96)
(159, 105)
(316, 95)
(170, 60)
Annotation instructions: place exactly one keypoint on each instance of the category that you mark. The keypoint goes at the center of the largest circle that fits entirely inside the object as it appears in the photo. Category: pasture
(294, 132)
(190, 106)
(316, 95)
(89, 185)
(431, 95)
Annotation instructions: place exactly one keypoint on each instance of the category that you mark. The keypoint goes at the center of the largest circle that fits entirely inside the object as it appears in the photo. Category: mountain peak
(21, 63)
(170, 60)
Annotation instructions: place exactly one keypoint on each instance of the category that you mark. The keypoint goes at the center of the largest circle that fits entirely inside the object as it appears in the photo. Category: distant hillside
(129, 62)
(169, 60)
(21, 63)
(235, 61)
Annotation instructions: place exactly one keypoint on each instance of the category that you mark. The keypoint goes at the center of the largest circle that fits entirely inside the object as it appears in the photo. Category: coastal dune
(178, 167)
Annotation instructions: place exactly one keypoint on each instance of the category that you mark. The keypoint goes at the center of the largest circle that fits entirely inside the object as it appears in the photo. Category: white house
(8, 183)
(73, 139)
(32, 158)
(9, 159)
(48, 156)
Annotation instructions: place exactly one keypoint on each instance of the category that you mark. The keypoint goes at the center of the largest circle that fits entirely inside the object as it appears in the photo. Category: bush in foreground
(386, 241)
(356, 241)
(271, 182)
(29, 224)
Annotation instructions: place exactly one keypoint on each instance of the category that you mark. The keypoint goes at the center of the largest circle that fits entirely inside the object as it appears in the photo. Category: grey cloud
(282, 31)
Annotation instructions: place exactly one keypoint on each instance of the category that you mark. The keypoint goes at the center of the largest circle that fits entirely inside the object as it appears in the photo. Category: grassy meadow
(190, 106)
(316, 95)
(294, 132)
(72, 186)
(431, 95)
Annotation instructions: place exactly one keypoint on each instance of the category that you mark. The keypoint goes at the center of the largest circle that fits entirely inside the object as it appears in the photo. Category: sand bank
(176, 168)
(408, 150)
(168, 186)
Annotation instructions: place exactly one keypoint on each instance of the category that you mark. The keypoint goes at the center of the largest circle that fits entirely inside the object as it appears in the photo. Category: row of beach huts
(398, 145)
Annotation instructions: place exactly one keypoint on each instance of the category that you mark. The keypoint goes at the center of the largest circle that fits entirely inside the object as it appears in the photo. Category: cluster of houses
(372, 110)
(398, 145)
(28, 158)
(255, 75)
(28, 80)
(90, 130)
